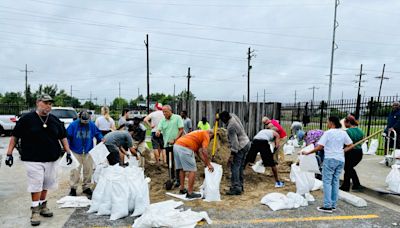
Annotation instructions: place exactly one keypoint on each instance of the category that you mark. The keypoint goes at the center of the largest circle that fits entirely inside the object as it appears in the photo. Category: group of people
(174, 140)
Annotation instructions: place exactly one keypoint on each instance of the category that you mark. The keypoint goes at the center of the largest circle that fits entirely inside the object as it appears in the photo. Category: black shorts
(263, 147)
(113, 157)
(157, 142)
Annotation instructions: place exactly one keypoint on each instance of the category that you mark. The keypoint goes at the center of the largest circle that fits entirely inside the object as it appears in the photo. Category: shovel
(169, 183)
(215, 137)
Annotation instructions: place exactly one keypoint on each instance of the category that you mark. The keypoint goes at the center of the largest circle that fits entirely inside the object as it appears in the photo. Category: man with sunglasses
(40, 133)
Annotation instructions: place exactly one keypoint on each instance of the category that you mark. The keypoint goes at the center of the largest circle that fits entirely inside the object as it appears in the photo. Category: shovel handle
(215, 135)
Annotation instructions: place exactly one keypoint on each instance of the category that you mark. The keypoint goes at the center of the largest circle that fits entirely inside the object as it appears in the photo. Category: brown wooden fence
(250, 113)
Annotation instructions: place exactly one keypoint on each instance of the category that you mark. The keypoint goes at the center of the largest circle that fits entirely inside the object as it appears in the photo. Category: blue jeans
(237, 167)
(330, 177)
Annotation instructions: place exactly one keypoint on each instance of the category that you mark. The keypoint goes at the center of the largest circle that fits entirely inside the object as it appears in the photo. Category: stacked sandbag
(278, 201)
(120, 191)
(210, 187)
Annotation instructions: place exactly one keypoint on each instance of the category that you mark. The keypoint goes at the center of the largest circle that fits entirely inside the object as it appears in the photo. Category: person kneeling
(184, 155)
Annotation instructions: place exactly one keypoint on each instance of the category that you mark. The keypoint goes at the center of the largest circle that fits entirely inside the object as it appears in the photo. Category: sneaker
(45, 211)
(177, 184)
(279, 184)
(88, 192)
(324, 209)
(333, 208)
(346, 189)
(233, 192)
(184, 191)
(72, 192)
(35, 217)
(193, 195)
(358, 188)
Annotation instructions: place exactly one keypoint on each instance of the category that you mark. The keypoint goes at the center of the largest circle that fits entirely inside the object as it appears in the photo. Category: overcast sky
(95, 45)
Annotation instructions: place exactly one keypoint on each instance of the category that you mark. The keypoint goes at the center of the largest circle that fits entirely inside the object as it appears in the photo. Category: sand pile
(256, 185)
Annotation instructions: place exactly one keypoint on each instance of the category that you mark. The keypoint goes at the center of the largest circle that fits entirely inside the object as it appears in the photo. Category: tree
(135, 102)
(13, 98)
(63, 99)
(119, 103)
(161, 98)
(89, 105)
(183, 96)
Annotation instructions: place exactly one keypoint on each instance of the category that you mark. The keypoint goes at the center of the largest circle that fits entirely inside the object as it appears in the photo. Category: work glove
(69, 159)
(9, 160)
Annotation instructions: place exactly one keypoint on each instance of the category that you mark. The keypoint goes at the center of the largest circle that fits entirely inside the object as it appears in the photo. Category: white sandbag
(309, 163)
(296, 143)
(364, 147)
(278, 201)
(309, 197)
(99, 153)
(104, 207)
(142, 199)
(119, 195)
(73, 201)
(393, 179)
(98, 195)
(317, 185)
(272, 146)
(212, 183)
(298, 200)
(373, 147)
(258, 167)
(304, 180)
(98, 171)
(183, 196)
(275, 201)
(288, 149)
(165, 214)
(63, 162)
(352, 199)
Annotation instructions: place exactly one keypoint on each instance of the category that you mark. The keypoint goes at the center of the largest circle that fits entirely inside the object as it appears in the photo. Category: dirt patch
(256, 185)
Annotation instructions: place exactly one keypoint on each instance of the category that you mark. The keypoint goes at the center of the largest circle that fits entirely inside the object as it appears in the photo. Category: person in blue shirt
(393, 123)
(80, 135)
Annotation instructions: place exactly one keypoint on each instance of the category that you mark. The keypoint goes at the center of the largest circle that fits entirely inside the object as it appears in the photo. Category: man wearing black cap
(80, 134)
(138, 135)
(40, 133)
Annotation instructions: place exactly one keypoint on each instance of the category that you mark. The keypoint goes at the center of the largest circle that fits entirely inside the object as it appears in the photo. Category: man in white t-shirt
(152, 120)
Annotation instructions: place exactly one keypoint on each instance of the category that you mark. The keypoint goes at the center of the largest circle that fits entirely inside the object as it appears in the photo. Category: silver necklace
(44, 122)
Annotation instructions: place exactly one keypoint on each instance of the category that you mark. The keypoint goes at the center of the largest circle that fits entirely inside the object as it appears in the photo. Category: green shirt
(203, 126)
(170, 128)
(355, 134)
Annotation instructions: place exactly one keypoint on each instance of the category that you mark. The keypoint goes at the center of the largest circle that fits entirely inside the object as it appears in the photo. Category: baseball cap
(45, 97)
(85, 117)
(158, 106)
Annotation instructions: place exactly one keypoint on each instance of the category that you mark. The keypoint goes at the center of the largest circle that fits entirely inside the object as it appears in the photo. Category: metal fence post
(321, 115)
(371, 111)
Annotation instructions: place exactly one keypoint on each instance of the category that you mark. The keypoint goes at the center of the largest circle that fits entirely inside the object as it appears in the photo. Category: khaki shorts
(41, 176)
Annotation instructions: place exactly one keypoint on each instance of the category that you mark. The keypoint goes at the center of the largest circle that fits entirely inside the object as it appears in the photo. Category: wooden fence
(250, 113)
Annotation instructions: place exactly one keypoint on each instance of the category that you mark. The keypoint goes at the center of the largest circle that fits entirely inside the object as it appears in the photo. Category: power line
(334, 47)
(381, 79)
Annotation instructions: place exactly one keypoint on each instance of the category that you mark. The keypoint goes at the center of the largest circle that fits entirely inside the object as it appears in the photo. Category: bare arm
(277, 139)
(316, 149)
(11, 145)
(204, 157)
(349, 147)
(147, 121)
(65, 144)
(178, 136)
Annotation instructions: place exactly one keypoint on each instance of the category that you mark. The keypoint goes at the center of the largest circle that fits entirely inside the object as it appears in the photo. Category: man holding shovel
(185, 148)
(171, 128)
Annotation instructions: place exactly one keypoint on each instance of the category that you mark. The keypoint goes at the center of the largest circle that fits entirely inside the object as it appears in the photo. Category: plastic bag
(258, 167)
(278, 201)
(212, 183)
(296, 143)
(63, 162)
(98, 195)
(288, 149)
(352, 199)
(364, 147)
(373, 147)
(393, 179)
(99, 153)
(304, 180)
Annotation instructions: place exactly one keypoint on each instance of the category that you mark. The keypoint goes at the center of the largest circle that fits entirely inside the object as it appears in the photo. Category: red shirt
(281, 131)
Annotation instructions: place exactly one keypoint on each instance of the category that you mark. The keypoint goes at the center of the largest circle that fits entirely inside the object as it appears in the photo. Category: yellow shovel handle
(215, 135)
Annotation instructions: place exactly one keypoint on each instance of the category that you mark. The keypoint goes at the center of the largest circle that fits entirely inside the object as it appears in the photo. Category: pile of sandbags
(120, 191)
(166, 214)
(393, 179)
(305, 181)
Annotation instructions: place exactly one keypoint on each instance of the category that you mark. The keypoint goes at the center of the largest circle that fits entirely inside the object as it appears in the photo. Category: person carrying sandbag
(118, 143)
(185, 148)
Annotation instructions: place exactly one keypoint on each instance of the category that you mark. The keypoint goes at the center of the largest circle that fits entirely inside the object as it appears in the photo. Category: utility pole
(26, 82)
(295, 97)
(264, 95)
(357, 113)
(381, 78)
(90, 97)
(146, 42)
(257, 96)
(249, 56)
(313, 93)
(334, 47)
(119, 89)
(138, 92)
(188, 90)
